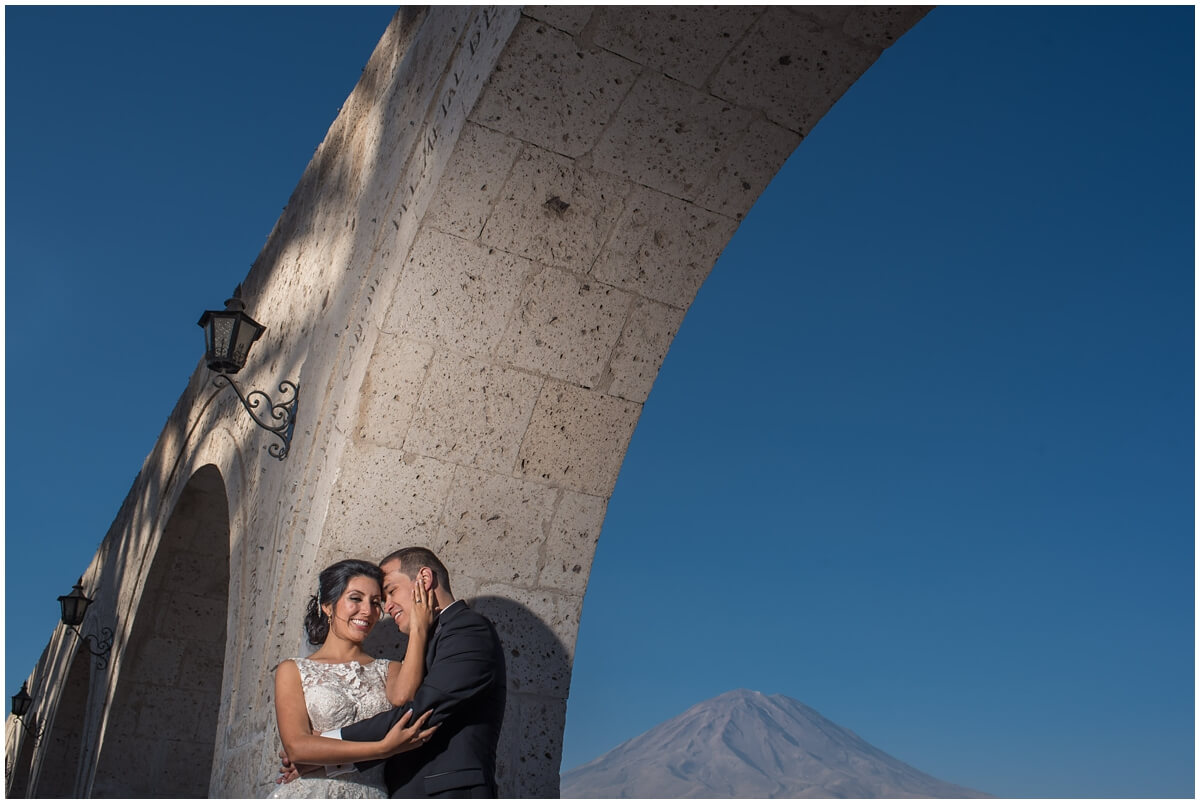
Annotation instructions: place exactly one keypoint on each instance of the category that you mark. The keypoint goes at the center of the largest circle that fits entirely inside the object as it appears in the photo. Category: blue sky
(921, 456)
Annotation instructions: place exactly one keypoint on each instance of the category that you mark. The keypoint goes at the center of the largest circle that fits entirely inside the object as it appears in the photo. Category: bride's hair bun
(315, 622)
(331, 583)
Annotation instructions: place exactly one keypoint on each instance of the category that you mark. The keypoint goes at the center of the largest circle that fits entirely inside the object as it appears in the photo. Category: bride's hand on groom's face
(421, 609)
(408, 734)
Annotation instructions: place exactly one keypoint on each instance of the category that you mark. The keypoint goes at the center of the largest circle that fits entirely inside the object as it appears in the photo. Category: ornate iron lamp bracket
(277, 417)
(34, 735)
(103, 644)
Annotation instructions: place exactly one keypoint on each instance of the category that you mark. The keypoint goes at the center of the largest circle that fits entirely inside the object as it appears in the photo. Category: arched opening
(162, 721)
(63, 741)
(16, 775)
(884, 429)
(589, 214)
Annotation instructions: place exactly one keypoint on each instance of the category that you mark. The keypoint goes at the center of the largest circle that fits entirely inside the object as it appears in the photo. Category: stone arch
(18, 772)
(589, 185)
(475, 282)
(161, 723)
(63, 741)
(17, 776)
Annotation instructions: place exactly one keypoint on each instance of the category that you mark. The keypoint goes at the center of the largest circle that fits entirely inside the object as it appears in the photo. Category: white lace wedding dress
(337, 695)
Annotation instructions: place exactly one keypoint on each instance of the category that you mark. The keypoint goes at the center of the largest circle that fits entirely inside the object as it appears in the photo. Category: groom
(464, 685)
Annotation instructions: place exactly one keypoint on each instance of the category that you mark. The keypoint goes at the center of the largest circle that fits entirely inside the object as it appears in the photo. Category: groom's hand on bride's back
(287, 771)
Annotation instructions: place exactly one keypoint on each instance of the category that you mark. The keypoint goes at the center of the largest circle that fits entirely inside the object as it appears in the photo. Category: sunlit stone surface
(475, 283)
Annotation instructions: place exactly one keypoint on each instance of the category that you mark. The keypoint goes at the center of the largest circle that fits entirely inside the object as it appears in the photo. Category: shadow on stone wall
(539, 678)
(17, 774)
(161, 728)
(63, 743)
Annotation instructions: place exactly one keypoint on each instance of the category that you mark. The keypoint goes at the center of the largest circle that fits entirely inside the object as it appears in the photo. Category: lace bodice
(337, 695)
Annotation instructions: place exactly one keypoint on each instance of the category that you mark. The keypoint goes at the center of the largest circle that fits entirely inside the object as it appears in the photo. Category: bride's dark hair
(331, 583)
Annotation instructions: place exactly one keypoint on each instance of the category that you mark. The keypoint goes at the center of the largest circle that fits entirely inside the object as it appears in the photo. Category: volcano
(745, 744)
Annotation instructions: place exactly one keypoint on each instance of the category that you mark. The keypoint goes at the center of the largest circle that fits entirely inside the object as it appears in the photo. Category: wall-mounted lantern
(20, 707)
(74, 607)
(21, 701)
(228, 335)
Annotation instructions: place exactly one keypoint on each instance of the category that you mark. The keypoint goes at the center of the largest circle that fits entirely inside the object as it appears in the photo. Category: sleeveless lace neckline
(337, 694)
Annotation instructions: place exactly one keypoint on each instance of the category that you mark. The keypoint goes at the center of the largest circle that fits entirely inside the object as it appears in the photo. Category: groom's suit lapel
(442, 619)
(431, 648)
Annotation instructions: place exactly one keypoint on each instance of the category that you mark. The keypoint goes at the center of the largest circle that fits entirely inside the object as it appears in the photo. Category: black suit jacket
(465, 685)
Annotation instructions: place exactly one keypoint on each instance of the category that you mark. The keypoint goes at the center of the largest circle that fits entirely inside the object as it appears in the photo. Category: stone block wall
(474, 284)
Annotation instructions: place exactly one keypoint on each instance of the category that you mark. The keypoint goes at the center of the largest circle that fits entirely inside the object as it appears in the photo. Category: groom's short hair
(413, 558)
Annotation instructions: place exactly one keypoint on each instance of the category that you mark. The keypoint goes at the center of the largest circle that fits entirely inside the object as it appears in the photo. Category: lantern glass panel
(222, 328)
(247, 333)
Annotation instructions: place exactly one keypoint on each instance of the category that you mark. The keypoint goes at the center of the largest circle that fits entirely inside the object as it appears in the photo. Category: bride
(340, 683)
